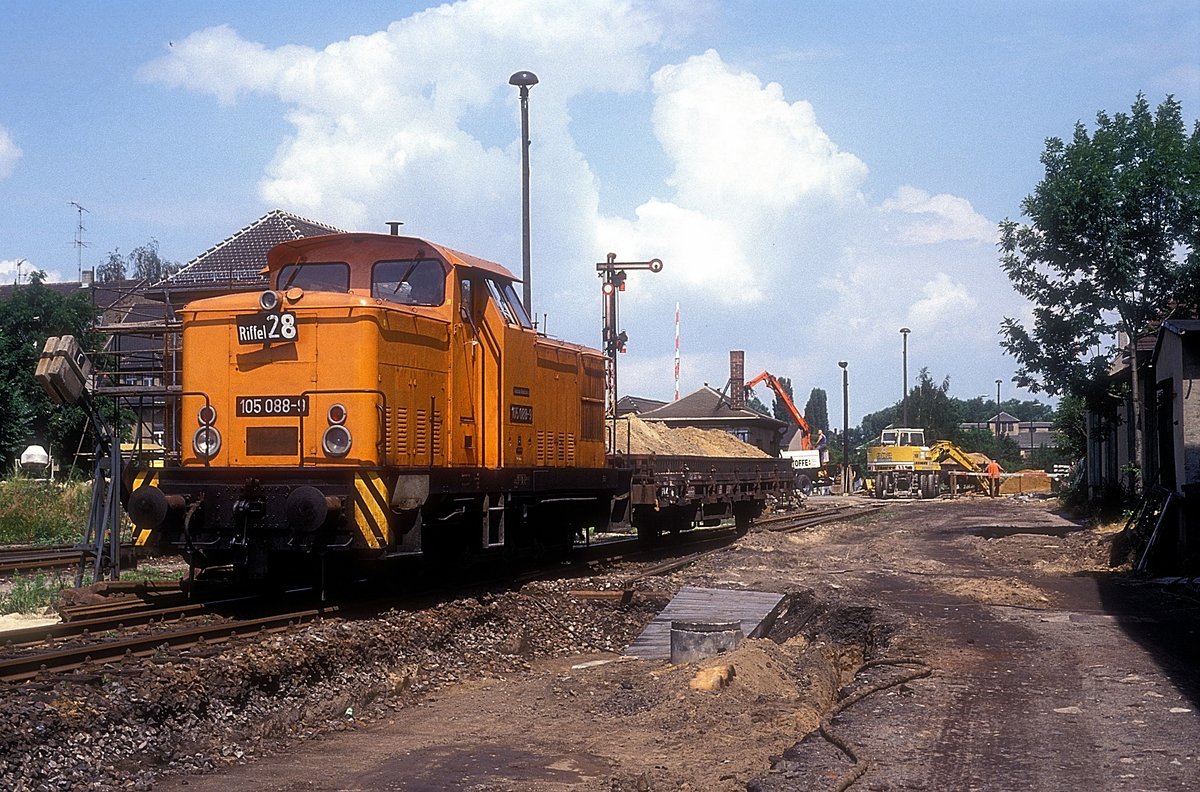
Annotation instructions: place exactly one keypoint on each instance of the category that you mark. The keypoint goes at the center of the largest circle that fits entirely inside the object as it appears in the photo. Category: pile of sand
(1026, 481)
(635, 436)
(980, 460)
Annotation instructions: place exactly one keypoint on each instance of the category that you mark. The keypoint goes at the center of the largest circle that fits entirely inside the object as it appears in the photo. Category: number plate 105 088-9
(271, 406)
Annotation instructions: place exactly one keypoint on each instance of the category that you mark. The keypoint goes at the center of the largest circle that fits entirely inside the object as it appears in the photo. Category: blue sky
(814, 175)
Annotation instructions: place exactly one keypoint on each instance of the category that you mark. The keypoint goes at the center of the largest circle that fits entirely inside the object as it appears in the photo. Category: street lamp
(523, 80)
(904, 331)
(845, 427)
(997, 416)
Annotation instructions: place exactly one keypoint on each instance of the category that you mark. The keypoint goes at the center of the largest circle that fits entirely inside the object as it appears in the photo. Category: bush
(32, 594)
(38, 512)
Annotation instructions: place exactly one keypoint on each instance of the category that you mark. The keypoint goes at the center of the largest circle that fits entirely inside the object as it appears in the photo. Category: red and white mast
(676, 351)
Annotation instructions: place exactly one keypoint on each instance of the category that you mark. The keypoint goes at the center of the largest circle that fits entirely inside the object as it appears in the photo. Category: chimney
(737, 379)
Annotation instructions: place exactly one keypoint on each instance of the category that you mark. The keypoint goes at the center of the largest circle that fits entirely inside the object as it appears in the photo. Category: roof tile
(239, 259)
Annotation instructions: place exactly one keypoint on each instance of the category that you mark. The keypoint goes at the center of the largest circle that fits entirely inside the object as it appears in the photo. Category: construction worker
(822, 448)
(993, 474)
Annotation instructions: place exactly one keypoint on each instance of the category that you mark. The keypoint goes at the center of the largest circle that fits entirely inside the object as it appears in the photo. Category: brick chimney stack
(737, 378)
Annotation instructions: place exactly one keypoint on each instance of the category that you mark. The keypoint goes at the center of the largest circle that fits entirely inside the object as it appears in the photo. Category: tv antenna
(79, 243)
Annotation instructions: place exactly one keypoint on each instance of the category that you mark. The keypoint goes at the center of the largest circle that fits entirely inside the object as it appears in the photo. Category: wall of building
(1188, 415)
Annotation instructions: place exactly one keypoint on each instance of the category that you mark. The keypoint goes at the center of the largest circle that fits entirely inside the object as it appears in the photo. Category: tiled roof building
(708, 408)
(236, 263)
(637, 405)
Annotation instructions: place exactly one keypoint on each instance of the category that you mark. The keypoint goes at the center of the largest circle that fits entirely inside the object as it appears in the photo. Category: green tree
(1070, 427)
(1110, 248)
(142, 263)
(112, 269)
(876, 422)
(147, 265)
(28, 317)
(779, 410)
(931, 408)
(816, 410)
(1003, 449)
(754, 403)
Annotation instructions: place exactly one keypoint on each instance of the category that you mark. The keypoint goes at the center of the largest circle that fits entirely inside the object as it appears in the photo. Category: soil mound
(635, 436)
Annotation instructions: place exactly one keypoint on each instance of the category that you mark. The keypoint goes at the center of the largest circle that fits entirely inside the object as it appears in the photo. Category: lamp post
(523, 80)
(997, 416)
(845, 427)
(904, 331)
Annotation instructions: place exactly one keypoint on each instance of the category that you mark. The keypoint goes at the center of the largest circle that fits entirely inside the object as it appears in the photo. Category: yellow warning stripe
(371, 502)
(143, 478)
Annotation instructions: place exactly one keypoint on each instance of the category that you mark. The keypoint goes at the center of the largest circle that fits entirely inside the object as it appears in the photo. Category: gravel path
(1049, 671)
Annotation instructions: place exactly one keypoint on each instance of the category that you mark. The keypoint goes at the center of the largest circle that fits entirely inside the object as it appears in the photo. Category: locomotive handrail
(336, 391)
(183, 440)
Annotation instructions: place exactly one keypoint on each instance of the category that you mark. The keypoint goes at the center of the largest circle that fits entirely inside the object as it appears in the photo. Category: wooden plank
(753, 609)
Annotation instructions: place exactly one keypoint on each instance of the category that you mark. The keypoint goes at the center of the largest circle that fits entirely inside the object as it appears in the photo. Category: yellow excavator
(902, 465)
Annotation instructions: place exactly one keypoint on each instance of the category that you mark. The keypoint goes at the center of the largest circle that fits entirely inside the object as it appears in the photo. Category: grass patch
(30, 594)
(38, 512)
(150, 574)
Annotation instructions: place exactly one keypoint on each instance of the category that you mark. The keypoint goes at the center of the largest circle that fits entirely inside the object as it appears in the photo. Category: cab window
(409, 281)
(508, 303)
(501, 303)
(315, 276)
(518, 308)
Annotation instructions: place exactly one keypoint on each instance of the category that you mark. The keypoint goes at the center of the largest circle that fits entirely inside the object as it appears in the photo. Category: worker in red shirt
(993, 474)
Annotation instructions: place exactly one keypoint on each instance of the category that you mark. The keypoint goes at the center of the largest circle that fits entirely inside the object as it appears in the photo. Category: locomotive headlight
(268, 300)
(336, 441)
(206, 442)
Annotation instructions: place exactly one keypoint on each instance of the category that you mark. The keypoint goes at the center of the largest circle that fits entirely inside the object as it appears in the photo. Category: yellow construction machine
(901, 464)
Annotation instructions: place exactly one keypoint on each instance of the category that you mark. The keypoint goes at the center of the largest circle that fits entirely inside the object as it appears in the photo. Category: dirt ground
(1049, 671)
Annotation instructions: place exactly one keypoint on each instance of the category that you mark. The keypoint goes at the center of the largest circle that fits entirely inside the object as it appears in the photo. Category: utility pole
(904, 331)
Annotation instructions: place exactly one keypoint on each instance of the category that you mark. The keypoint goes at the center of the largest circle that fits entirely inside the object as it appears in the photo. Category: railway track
(93, 635)
(791, 523)
(35, 559)
(83, 656)
(786, 523)
(41, 558)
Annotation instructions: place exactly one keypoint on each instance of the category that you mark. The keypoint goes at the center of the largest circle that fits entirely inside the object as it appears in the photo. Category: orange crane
(774, 384)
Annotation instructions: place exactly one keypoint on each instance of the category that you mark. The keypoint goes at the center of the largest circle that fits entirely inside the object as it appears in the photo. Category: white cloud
(767, 241)
(744, 162)
(9, 153)
(701, 253)
(381, 120)
(13, 269)
(736, 142)
(946, 303)
(939, 218)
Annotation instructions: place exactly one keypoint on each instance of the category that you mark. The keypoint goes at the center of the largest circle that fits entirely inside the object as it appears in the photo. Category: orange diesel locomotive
(385, 396)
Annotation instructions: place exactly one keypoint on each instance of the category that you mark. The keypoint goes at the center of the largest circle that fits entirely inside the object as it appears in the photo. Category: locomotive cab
(384, 396)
